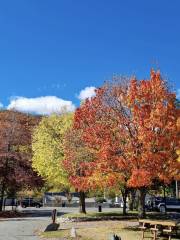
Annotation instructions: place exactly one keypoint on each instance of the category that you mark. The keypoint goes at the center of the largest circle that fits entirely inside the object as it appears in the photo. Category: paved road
(22, 229)
(28, 227)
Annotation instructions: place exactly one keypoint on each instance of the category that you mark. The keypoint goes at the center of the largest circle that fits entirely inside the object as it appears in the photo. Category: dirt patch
(11, 214)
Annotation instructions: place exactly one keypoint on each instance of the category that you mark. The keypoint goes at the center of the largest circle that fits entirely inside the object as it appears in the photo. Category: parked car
(119, 204)
(114, 205)
(30, 202)
(167, 204)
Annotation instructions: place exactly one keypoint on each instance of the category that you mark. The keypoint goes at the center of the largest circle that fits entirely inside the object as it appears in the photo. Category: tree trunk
(136, 202)
(132, 199)
(3, 187)
(124, 195)
(141, 210)
(164, 193)
(2, 196)
(4, 204)
(82, 204)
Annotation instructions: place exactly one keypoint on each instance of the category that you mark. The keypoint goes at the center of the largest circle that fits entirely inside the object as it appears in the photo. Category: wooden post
(54, 214)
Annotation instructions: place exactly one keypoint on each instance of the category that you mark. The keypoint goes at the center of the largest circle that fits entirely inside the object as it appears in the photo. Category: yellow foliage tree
(48, 153)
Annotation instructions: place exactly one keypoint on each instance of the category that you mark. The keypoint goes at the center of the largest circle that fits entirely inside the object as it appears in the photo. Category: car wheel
(162, 209)
(37, 206)
(23, 206)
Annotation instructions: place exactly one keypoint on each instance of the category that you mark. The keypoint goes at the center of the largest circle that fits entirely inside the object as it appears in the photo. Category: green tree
(48, 153)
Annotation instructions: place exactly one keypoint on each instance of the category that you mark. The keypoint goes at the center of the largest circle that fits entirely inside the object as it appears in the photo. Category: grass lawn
(98, 214)
(99, 230)
(95, 230)
(119, 215)
(90, 228)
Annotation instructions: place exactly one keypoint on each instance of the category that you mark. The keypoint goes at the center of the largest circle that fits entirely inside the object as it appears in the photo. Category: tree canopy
(48, 151)
(16, 172)
(133, 128)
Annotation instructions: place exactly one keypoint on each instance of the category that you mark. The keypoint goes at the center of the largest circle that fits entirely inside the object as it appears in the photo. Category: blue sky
(59, 47)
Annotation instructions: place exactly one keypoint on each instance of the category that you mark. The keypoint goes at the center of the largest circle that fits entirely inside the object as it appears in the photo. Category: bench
(154, 230)
(168, 231)
(163, 226)
(143, 228)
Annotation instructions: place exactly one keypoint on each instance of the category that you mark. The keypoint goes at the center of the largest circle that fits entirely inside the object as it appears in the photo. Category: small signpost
(54, 215)
(99, 208)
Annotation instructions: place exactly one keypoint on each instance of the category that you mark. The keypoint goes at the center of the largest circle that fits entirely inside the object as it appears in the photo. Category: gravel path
(22, 229)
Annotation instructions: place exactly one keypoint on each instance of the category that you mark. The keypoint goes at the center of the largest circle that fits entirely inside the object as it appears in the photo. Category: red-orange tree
(100, 133)
(131, 126)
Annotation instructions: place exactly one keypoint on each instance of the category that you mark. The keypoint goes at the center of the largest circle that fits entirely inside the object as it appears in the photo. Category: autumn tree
(100, 133)
(16, 172)
(154, 119)
(76, 162)
(48, 151)
(131, 125)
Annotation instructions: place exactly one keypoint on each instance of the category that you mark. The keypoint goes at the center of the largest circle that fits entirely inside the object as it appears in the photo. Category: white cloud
(87, 92)
(178, 93)
(41, 105)
(1, 105)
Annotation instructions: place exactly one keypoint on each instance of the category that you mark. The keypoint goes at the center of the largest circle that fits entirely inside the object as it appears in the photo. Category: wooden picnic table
(166, 226)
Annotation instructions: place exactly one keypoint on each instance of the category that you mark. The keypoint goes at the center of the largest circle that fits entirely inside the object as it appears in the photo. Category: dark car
(30, 202)
(166, 204)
